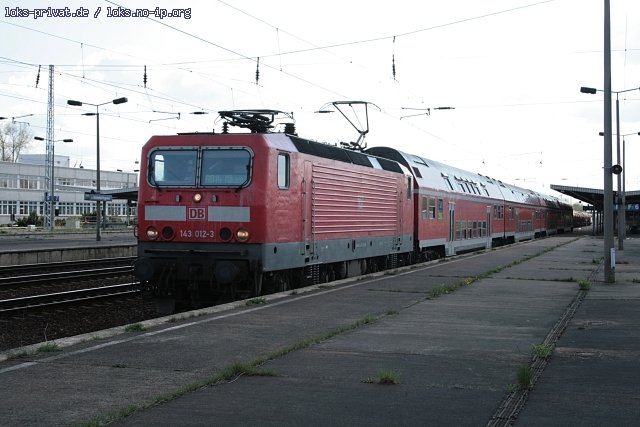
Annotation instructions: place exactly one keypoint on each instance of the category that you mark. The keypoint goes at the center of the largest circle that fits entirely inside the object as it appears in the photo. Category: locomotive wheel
(282, 283)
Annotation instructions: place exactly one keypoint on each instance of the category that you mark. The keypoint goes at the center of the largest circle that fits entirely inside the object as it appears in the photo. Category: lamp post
(97, 114)
(51, 199)
(620, 200)
(609, 249)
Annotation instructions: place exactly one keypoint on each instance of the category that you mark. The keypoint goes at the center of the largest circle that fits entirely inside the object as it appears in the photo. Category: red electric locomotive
(235, 212)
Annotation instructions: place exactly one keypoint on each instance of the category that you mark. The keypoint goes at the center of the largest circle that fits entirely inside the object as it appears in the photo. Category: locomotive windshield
(219, 167)
(225, 167)
(173, 167)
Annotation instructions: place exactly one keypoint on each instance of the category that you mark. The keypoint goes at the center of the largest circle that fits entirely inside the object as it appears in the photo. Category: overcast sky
(511, 69)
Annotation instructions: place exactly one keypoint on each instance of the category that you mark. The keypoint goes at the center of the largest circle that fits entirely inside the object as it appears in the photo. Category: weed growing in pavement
(257, 301)
(543, 351)
(584, 285)
(635, 281)
(597, 260)
(135, 327)
(525, 377)
(49, 347)
(18, 355)
(119, 365)
(384, 377)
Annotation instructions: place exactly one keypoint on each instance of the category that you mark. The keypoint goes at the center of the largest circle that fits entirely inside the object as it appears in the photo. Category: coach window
(283, 171)
(432, 208)
(440, 208)
(424, 207)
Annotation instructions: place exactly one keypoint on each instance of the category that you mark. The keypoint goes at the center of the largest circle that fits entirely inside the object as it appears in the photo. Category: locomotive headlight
(242, 235)
(152, 233)
(197, 197)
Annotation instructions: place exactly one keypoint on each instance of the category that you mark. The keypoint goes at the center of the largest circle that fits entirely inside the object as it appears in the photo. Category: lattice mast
(49, 204)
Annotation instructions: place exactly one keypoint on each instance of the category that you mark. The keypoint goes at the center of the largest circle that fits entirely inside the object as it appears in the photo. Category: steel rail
(66, 297)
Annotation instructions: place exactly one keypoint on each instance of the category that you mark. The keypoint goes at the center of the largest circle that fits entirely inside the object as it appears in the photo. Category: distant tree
(14, 137)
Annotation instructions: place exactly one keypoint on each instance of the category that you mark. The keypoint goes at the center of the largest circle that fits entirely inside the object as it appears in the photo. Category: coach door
(451, 250)
(488, 228)
(307, 244)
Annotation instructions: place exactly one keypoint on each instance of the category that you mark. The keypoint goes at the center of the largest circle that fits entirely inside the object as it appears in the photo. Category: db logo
(196, 214)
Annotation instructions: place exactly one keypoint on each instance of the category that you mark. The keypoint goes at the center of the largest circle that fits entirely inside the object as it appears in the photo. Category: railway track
(51, 300)
(46, 285)
(12, 272)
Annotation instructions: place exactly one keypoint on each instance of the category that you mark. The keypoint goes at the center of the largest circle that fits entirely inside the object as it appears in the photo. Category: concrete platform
(17, 248)
(452, 335)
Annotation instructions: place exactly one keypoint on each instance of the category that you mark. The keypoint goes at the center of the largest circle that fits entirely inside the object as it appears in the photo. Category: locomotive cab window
(283, 171)
(225, 167)
(173, 167)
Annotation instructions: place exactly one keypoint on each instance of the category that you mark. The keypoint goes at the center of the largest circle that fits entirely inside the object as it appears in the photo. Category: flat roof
(594, 196)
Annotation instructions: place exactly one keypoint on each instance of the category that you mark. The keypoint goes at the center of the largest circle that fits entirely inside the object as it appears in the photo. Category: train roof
(287, 142)
(440, 177)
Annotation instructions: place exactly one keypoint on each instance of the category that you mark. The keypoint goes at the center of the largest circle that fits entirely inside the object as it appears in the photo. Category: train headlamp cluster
(225, 234)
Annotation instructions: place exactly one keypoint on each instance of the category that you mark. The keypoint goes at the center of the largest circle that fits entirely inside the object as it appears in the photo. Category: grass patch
(256, 301)
(584, 285)
(384, 377)
(525, 377)
(135, 327)
(119, 365)
(49, 347)
(543, 351)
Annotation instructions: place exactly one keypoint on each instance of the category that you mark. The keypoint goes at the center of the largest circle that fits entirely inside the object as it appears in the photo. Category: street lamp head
(120, 100)
(74, 103)
(89, 114)
(38, 138)
(67, 140)
(590, 90)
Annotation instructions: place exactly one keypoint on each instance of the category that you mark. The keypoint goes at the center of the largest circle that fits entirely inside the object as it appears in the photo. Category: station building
(23, 189)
